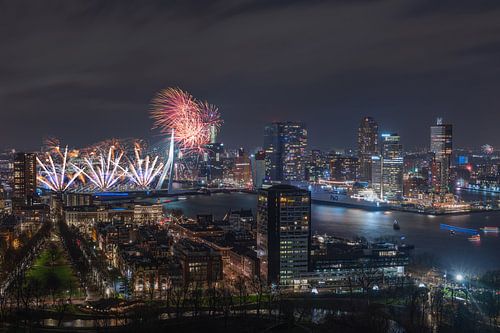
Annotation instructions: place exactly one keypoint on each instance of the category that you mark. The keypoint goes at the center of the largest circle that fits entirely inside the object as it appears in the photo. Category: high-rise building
(24, 179)
(442, 147)
(242, 169)
(214, 162)
(273, 150)
(258, 168)
(285, 144)
(392, 167)
(367, 146)
(283, 233)
(344, 168)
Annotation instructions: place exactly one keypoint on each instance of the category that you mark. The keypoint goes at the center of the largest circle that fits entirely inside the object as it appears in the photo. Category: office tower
(242, 170)
(214, 162)
(367, 146)
(392, 167)
(283, 233)
(294, 151)
(344, 168)
(441, 146)
(258, 168)
(24, 179)
(285, 144)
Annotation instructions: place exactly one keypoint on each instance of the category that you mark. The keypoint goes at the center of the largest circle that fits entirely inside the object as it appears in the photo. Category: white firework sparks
(57, 177)
(142, 171)
(104, 171)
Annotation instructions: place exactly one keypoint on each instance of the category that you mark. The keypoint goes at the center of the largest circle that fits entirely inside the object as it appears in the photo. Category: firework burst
(57, 177)
(488, 149)
(142, 171)
(104, 170)
(192, 122)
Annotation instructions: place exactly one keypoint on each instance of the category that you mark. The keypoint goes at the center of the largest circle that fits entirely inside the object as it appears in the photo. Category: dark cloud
(86, 70)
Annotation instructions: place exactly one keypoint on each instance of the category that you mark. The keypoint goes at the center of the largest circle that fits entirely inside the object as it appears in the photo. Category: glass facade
(285, 145)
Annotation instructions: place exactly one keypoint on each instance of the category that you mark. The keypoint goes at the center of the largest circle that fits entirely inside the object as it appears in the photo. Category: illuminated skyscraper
(367, 146)
(392, 167)
(442, 147)
(214, 161)
(242, 169)
(283, 233)
(24, 179)
(285, 144)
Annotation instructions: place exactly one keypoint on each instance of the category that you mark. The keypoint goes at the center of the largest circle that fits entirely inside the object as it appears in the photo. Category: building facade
(258, 169)
(214, 162)
(25, 175)
(442, 148)
(242, 169)
(283, 233)
(285, 145)
(367, 146)
(392, 167)
(344, 168)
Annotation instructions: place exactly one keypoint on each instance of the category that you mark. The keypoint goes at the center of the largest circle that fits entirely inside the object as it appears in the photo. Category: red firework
(192, 121)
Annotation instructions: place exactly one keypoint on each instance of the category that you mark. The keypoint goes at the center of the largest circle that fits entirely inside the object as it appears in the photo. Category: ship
(475, 238)
(364, 198)
(490, 229)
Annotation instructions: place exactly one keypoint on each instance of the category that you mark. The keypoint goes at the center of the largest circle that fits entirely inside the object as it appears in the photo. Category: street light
(459, 277)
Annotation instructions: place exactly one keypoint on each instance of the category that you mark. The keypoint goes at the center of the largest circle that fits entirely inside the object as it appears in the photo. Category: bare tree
(258, 287)
(196, 298)
(240, 285)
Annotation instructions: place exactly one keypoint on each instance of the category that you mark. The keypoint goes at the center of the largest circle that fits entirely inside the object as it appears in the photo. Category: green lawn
(52, 271)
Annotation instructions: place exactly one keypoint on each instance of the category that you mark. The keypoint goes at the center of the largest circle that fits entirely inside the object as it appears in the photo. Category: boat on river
(490, 229)
(475, 238)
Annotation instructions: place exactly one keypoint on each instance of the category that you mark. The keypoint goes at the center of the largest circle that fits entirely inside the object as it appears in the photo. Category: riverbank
(421, 230)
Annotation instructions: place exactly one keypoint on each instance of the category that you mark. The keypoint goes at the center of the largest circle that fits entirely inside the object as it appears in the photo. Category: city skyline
(157, 139)
(412, 71)
(250, 166)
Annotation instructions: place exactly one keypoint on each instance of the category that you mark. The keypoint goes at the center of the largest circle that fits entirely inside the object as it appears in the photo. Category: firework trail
(142, 171)
(103, 171)
(57, 177)
(51, 144)
(192, 122)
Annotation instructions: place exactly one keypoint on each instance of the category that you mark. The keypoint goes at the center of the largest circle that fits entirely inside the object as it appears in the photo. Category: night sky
(86, 70)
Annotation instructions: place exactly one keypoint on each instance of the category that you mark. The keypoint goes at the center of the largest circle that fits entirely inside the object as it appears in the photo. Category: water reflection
(455, 251)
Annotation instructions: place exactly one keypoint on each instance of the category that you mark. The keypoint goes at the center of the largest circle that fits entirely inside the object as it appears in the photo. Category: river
(455, 252)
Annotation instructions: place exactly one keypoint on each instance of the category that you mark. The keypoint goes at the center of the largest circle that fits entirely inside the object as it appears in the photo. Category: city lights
(236, 166)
